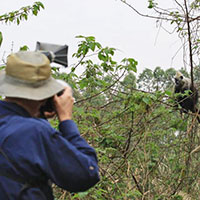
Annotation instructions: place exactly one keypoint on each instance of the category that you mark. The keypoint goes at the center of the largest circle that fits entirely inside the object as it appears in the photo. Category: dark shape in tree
(188, 101)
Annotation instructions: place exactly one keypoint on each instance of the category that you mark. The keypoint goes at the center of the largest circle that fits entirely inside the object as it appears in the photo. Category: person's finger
(49, 114)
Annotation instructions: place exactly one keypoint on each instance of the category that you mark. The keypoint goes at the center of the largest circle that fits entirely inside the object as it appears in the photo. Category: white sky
(111, 22)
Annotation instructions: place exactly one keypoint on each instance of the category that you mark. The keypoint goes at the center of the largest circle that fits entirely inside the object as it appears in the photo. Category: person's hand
(64, 104)
(49, 114)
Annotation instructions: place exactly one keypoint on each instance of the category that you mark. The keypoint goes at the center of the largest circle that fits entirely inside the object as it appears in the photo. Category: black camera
(49, 105)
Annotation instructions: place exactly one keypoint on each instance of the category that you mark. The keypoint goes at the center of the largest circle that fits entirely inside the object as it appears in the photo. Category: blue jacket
(37, 153)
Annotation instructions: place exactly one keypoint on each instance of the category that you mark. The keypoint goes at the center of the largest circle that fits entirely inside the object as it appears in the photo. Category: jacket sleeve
(71, 163)
(63, 156)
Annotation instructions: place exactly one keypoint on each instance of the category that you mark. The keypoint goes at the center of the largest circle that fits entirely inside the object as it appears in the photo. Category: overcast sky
(111, 22)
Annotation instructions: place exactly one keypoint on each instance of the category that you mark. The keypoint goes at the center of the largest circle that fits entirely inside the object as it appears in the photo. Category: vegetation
(147, 149)
(18, 16)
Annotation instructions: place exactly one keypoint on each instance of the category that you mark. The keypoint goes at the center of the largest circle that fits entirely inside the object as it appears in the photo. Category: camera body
(49, 105)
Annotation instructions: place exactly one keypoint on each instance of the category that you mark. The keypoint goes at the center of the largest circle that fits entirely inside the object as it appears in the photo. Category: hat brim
(27, 91)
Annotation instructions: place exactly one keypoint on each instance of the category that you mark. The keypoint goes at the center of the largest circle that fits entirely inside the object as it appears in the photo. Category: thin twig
(143, 15)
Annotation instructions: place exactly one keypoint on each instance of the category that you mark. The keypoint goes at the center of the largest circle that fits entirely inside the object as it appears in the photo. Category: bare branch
(190, 44)
(182, 8)
(143, 15)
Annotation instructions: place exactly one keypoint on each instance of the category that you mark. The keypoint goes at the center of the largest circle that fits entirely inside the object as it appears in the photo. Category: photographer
(32, 153)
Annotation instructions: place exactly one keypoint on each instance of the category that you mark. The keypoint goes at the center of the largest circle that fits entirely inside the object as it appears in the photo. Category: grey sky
(110, 21)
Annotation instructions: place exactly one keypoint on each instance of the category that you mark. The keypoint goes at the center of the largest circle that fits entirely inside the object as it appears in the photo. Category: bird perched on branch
(188, 101)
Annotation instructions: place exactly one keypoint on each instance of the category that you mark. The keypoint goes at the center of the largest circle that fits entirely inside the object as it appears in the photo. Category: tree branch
(190, 45)
(143, 15)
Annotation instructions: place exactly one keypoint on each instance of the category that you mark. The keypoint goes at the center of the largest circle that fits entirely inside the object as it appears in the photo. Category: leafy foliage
(18, 16)
(152, 4)
(146, 148)
(21, 14)
(143, 145)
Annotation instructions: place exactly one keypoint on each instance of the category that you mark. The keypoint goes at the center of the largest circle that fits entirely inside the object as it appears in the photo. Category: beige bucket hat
(28, 75)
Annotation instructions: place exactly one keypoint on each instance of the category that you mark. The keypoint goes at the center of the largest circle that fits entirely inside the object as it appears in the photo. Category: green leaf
(92, 46)
(153, 97)
(98, 45)
(146, 100)
(102, 57)
(39, 4)
(83, 83)
(90, 39)
(130, 64)
(1, 38)
(152, 4)
(24, 48)
(35, 10)
(168, 92)
(80, 195)
(80, 36)
(25, 16)
(18, 21)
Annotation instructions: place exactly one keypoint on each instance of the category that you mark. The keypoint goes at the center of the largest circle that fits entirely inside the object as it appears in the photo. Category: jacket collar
(8, 108)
